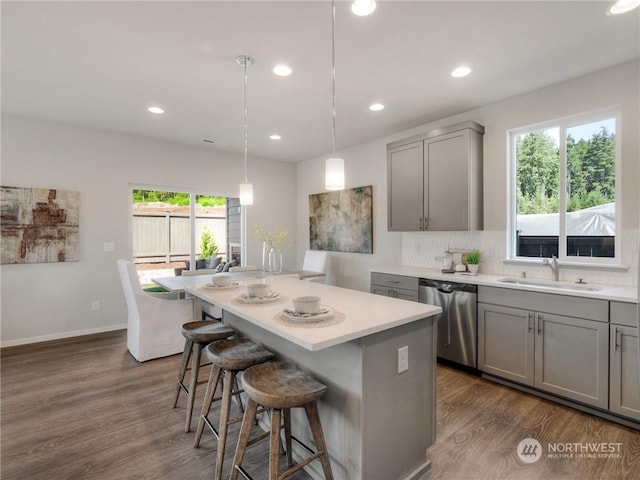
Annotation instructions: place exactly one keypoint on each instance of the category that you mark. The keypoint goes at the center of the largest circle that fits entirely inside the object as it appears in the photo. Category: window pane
(537, 193)
(161, 232)
(591, 168)
(211, 230)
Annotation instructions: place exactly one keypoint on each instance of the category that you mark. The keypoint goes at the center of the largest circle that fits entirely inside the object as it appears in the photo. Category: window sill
(567, 264)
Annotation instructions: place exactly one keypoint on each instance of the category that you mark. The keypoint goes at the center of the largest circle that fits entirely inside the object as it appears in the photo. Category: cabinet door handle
(539, 320)
(419, 223)
(618, 343)
(426, 223)
(530, 321)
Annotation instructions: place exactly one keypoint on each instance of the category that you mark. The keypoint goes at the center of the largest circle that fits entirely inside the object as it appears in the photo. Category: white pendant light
(334, 167)
(246, 189)
(363, 7)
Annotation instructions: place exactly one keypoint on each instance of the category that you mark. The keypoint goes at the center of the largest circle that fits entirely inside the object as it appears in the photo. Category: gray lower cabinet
(506, 342)
(624, 396)
(624, 384)
(396, 286)
(560, 354)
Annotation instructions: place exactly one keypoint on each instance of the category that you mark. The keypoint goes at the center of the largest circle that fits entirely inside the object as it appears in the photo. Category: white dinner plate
(231, 286)
(323, 314)
(246, 298)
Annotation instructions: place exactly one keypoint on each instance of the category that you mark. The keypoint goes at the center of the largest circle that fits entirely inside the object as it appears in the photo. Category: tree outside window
(565, 189)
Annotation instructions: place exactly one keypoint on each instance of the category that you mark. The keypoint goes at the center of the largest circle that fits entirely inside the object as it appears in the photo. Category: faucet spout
(554, 265)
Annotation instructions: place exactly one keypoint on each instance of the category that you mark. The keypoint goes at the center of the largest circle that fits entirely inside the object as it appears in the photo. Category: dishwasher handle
(448, 287)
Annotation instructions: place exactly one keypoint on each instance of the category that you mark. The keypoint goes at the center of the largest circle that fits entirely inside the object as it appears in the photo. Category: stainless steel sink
(555, 285)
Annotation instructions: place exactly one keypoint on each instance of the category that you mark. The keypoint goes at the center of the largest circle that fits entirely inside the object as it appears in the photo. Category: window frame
(563, 124)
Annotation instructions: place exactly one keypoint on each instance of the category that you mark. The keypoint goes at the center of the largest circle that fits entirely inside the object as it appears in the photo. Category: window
(564, 189)
(175, 230)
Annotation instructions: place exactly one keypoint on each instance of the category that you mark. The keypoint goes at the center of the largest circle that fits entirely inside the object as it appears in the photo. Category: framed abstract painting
(342, 221)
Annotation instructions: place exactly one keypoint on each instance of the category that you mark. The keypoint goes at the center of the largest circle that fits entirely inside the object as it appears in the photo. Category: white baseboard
(58, 336)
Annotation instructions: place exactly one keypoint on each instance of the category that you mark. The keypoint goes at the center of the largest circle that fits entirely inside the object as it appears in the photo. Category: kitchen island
(378, 423)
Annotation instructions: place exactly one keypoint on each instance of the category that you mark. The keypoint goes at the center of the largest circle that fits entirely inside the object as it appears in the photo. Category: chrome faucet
(554, 265)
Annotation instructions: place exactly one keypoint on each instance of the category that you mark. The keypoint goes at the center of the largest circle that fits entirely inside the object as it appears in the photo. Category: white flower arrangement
(274, 240)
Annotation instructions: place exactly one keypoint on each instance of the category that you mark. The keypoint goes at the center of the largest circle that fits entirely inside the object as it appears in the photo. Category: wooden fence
(166, 237)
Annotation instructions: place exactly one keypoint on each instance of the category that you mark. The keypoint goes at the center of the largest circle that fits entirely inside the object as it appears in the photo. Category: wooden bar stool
(278, 387)
(228, 357)
(196, 334)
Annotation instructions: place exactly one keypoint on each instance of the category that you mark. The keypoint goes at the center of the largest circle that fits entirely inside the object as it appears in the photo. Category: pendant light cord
(244, 119)
(333, 72)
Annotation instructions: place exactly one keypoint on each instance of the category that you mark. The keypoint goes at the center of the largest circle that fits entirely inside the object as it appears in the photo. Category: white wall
(366, 165)
(43, 301)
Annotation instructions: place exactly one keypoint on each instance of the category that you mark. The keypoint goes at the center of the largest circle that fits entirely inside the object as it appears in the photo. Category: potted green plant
(472, 259)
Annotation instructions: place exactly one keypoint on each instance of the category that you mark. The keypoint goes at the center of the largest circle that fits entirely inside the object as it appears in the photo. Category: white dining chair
(314, 266)
(154, 319)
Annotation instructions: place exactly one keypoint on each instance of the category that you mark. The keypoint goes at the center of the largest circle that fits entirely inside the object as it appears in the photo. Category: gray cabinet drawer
(579, 307)
(622, 313)
(395, 281)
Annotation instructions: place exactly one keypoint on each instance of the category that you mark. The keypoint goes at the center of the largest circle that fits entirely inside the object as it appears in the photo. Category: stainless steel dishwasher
(458, 322)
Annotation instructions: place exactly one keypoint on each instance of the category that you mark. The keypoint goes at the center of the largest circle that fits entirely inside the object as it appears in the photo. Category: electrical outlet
(109, 246)
(95, 305)
(403, 359)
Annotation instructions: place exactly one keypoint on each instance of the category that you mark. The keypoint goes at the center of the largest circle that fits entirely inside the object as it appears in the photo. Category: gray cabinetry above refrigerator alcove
(434, 180)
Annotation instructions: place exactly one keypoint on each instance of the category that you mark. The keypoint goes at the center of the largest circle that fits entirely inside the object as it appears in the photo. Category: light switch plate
(403, 359)
(109, 246)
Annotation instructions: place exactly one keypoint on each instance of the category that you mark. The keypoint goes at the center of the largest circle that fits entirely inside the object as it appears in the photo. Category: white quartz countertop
(357, 314)
(604, 292)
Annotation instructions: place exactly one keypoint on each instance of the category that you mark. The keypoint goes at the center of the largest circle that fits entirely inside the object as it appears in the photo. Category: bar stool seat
(279, 386)
(196, 334)
(228, 357)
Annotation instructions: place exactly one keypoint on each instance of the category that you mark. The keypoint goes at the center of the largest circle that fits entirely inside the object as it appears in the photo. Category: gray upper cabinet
(435, 180)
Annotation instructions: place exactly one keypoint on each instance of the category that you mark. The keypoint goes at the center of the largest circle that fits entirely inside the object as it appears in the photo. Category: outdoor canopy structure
(598, 221)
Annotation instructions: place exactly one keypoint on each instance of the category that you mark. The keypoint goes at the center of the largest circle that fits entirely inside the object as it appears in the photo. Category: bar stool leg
(274, 444)
(287, 436)
(193, 382)
(243, 439)
(227, 390)
(316, 428)
(212, 386)
(183, 368)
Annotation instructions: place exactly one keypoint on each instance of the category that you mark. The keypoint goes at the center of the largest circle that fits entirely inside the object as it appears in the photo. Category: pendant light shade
(334, 166)
(363, 7)
(246, 194)
(246, 189)
(334, 174)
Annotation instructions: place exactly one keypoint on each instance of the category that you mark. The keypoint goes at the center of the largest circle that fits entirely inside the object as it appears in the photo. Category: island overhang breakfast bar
(378, 423)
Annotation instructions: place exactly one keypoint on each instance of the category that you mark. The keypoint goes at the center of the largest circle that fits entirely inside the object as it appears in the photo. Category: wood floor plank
(83, 408)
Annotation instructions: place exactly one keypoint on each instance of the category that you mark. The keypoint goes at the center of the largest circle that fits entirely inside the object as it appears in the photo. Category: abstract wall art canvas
(39, 225)
(342, 221)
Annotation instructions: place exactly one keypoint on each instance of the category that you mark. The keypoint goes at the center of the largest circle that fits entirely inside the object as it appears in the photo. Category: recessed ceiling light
(376, 107)
(156, 110)
(623, 6)
(461, 72)
(282, 70)
(275, 136)
(363, 7)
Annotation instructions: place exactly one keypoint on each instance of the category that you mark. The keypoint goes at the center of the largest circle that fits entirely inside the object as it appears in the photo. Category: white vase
(473, 268)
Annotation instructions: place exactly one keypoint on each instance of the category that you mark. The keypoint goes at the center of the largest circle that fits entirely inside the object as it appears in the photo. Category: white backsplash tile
(420, 249)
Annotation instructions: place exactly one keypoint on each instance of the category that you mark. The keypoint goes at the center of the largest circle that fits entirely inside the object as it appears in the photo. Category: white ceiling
(101, 64)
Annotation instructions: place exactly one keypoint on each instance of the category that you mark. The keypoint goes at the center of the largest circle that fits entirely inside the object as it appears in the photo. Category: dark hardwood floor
(83, 408)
